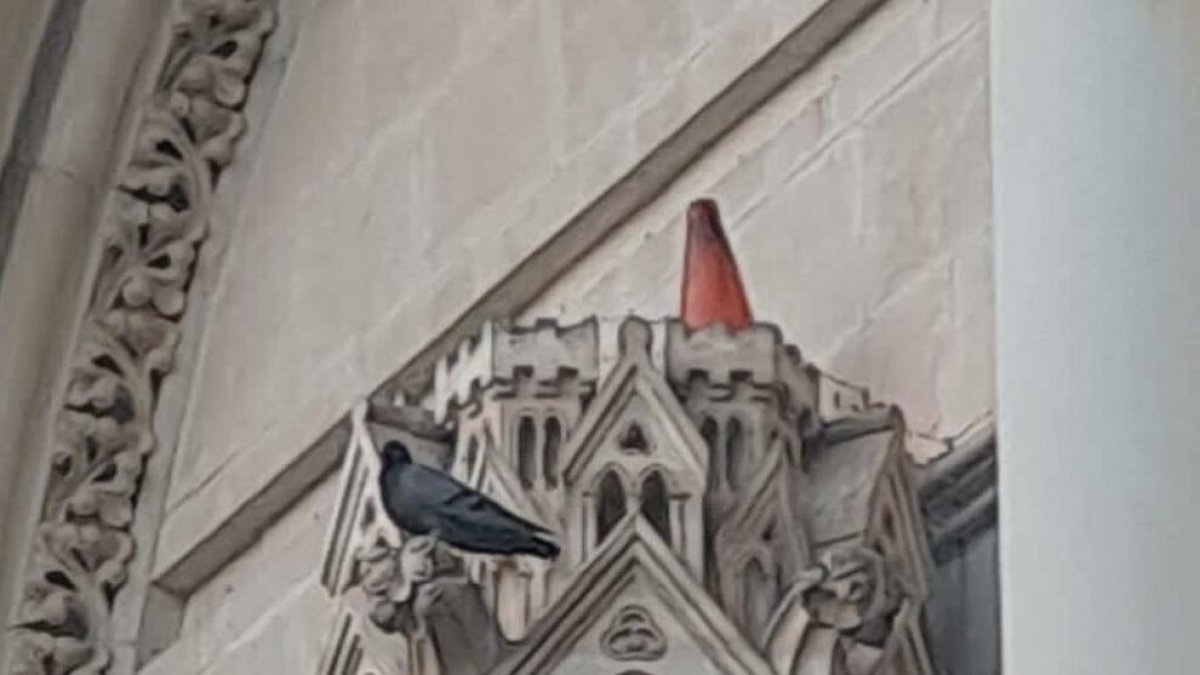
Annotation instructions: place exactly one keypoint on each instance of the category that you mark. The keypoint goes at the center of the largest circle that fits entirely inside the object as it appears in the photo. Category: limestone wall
(267, 611)
(403, 156)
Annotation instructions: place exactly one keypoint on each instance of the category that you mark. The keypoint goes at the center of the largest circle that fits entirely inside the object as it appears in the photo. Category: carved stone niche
(773, 507)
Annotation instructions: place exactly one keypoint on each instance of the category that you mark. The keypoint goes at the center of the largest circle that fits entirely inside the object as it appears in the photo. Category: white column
(1096, 139)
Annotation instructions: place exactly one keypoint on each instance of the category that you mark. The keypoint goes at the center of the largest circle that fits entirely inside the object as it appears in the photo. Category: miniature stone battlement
(720, 355)
(542, 352)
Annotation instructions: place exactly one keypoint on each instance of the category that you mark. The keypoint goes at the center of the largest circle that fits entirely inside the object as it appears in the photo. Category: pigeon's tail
(544, 549)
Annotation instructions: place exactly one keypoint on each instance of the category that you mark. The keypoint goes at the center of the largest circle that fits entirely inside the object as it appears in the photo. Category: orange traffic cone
(712, 288)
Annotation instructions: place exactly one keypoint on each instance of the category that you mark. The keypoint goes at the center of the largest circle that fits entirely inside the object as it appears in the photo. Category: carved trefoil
(634, 636)
(721, 503)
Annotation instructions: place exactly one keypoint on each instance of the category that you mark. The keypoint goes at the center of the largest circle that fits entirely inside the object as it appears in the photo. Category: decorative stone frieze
(126, 345)
(705, 483)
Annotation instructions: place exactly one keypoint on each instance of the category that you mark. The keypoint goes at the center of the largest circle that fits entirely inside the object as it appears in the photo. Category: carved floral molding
(83, 544)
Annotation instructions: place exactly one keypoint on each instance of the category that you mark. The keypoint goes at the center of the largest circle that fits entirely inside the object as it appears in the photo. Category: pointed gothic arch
(735, 453)
(551, 445)
(758, 595)
(611, 503)
(526, 450)
(656, 503)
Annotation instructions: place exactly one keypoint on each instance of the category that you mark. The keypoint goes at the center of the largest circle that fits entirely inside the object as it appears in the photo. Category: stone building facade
(243, 240)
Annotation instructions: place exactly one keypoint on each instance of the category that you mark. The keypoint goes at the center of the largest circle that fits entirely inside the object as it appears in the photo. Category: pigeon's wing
(448, 496)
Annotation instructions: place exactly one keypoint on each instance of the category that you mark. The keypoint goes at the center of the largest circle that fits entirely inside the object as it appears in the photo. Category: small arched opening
(472, 454)
(735, 453)
(656, 504)
(611, 508)
(526, 440)
(554, 437)
(710, 433)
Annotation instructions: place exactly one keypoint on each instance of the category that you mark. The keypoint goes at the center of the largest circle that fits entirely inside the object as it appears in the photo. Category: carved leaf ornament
(83, 543)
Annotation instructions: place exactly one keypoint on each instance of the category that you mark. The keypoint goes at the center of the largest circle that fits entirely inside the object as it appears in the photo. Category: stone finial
(421, 591)
(712, 289)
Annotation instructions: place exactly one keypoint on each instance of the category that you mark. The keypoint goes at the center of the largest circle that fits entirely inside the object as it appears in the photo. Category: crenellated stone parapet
(501, 355)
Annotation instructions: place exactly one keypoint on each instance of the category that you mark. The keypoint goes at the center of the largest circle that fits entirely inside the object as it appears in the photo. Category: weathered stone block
(492, 129)
(967, 382)
(278, 283)
(614, 52)
(318, 122)
(926, 157)
(286, 639)
(796, 141)
(901, 349)
(232, 602)
(410, 49)
(810, 229)
(886, 50)
(955, 15)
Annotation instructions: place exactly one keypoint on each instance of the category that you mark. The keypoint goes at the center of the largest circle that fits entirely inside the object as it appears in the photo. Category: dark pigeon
(421, 500)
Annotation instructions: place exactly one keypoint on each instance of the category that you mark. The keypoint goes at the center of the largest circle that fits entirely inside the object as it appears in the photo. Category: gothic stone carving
(854, 590)
(838, 614)
(811, 560)
(128, 337)
(422, 591)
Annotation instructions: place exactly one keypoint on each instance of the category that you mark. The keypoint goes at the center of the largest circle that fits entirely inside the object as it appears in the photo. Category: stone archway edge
(186, 135)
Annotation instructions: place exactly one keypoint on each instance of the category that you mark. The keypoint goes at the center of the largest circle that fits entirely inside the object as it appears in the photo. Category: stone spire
(712, 290)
